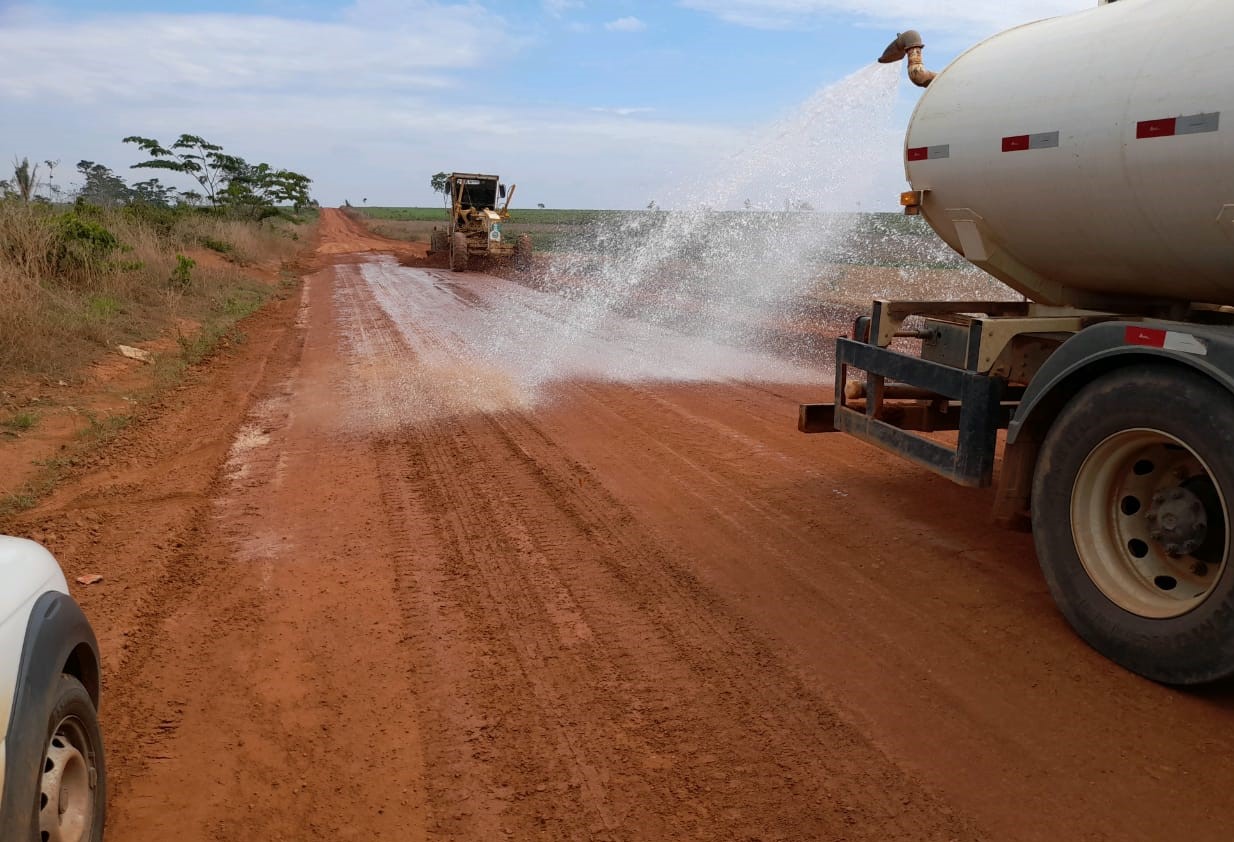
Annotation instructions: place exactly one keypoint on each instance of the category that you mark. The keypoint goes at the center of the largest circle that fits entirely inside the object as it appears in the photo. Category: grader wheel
(522, 252)
(458, 253)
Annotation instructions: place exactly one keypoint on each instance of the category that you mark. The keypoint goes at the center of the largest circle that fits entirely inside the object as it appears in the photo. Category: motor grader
(475, 228)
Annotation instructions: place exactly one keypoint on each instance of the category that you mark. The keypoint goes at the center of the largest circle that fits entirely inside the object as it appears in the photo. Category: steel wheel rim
(1134, 521)
(66, 798)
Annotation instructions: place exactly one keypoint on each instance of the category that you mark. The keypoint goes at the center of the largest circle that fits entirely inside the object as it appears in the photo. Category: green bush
(221, 246)
(182, 275)
(102, 307)
(82, 244)
(162, 219)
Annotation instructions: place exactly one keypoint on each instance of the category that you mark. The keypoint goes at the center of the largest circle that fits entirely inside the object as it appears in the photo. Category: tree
(52, 187)
(152, 192)
(290, 188)
(440, 183)
(652, 206)
(253, 190)
(190, 154)
(256, 189)
(540, 205)
(101, 186)
(25, 179)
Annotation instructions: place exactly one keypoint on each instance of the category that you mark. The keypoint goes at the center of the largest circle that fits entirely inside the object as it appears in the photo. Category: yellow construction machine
(475, 229)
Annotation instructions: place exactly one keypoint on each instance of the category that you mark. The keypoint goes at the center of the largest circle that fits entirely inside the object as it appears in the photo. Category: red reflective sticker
(1136, 335)
(921, 153)
(1156, 128)
(1015, 144)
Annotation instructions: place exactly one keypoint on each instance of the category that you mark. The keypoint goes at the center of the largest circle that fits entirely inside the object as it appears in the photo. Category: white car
(52, 775)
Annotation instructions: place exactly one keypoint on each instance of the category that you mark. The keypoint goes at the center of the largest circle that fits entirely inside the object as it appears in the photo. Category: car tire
(72, 796)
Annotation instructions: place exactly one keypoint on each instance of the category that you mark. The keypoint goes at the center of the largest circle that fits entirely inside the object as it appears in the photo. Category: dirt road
(418, 562)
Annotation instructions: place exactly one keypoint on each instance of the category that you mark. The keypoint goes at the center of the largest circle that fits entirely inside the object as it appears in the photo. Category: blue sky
(586, 103)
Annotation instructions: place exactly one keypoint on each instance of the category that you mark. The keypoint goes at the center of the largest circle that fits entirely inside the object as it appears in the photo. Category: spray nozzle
(909, 44)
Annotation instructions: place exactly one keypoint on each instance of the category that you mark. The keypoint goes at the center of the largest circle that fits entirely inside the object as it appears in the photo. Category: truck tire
(522, 252)
(72, 794)
(439, 241)
(458, 253)
(1131, 519)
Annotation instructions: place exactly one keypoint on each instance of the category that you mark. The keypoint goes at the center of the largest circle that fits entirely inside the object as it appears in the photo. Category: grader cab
(480, 205)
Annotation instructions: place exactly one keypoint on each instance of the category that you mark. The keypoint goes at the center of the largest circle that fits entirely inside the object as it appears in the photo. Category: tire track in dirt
(588, 657)
(916, 657)
(276, 686)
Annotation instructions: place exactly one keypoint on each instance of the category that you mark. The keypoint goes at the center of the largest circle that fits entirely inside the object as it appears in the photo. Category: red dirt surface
(356, 586)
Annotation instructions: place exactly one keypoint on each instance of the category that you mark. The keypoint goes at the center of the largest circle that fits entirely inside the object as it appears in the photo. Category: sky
(583, 103)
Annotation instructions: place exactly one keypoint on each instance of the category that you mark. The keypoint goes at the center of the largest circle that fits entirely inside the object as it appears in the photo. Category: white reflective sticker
(1184, 343)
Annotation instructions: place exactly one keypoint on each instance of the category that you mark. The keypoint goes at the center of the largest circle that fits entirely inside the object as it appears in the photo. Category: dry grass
(243, 242)
(75, 284)
(417, 231)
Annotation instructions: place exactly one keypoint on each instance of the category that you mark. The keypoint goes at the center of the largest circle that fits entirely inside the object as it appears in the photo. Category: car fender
(43, 634)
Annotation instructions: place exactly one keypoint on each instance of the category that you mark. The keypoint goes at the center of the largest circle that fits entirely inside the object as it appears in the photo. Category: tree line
(227, 182)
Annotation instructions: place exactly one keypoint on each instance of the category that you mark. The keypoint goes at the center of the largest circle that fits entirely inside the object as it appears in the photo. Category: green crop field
(550, 229)
(876, 239)
(528, 216)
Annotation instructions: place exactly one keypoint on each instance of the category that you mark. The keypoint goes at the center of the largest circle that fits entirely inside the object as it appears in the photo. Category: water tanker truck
(1087, 162)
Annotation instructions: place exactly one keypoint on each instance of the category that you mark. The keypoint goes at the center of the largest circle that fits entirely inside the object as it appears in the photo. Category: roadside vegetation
(111, 261)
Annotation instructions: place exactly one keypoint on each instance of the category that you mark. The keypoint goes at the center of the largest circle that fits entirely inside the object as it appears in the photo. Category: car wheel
(73, 791)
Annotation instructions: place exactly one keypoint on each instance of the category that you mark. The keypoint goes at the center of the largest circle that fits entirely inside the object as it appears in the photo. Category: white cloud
(560, 7)
(627, 24)
(375, 43)
(621, 112)
(969, 16)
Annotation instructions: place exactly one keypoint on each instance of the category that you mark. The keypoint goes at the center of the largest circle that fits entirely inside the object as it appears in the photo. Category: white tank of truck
(1124, 112)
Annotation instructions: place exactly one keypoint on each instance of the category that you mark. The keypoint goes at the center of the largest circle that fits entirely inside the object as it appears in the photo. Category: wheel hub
(66, 800)
(1148, 523)
(1178, 521)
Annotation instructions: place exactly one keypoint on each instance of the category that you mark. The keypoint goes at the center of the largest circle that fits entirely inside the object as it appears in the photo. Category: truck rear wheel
(458, 252)
(1131, 514)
